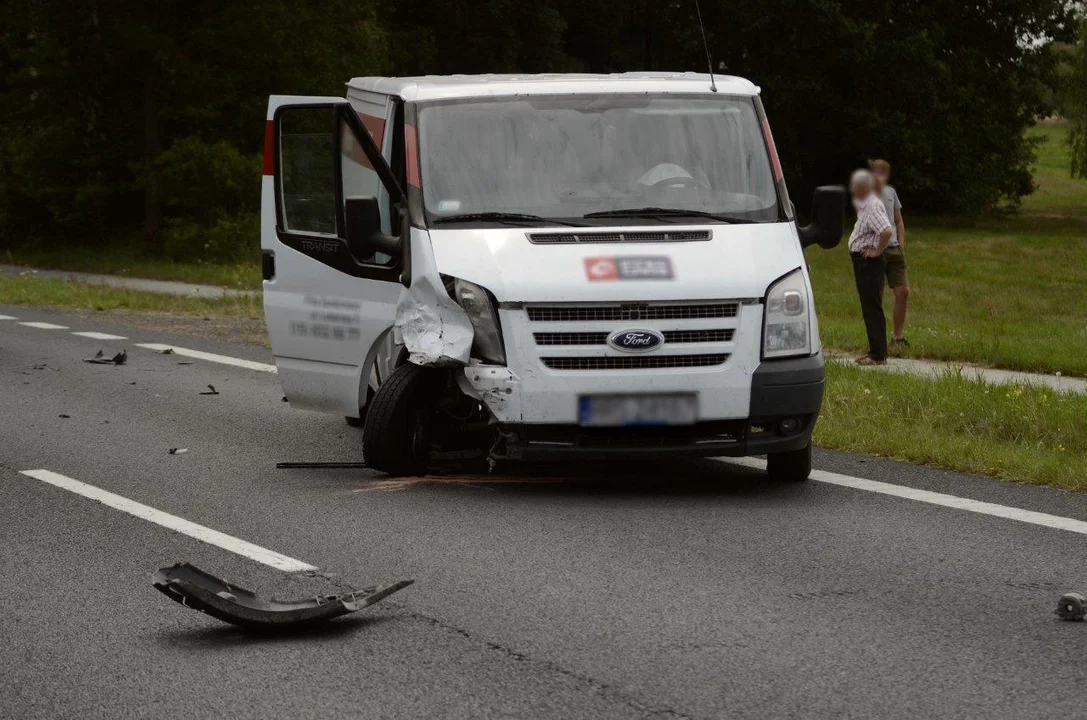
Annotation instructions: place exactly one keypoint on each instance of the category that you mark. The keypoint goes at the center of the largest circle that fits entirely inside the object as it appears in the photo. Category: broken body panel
(201, 591)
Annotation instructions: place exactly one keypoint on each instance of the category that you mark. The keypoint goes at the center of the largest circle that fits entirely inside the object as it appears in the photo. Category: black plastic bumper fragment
(194, 588)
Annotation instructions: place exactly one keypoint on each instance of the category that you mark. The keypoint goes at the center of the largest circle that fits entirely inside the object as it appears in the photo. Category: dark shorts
(896, 266)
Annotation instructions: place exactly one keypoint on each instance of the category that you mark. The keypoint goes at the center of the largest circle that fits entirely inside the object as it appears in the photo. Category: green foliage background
(143, 120)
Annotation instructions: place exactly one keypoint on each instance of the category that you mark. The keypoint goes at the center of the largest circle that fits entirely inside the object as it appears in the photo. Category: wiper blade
(653, 212)
(501, 217)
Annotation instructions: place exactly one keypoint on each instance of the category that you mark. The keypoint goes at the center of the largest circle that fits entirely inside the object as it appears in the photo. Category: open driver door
(332, 256)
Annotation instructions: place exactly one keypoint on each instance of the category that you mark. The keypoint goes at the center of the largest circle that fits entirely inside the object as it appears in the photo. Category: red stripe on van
(411, 155)
(774, 161)
(269, 148)
(376, 126)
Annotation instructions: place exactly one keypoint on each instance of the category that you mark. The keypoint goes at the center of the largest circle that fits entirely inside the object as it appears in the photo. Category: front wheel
(791, 466)
(393, 439)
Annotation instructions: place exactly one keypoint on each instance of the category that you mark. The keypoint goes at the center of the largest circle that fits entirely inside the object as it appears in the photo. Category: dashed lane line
(172, 522)
(1055, 522)
(210, 357)
(44, 325)
(100, 336)
(8, 317)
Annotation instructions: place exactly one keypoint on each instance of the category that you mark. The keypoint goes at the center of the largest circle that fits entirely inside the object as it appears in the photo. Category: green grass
(1010, 432)
(124, 260)
(1008, 291)
(40, 292)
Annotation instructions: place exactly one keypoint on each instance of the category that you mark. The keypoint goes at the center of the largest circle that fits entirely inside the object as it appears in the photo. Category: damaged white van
(543, 267)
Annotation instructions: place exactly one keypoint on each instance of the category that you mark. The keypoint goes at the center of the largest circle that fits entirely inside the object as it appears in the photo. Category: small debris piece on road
(194, 588)
(62, 415)
(1072, 606)
(167, 351)
(100, 358)
(177, 451)
(210, 391)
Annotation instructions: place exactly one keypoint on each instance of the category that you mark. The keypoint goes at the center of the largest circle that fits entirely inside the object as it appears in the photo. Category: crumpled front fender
(434, 328)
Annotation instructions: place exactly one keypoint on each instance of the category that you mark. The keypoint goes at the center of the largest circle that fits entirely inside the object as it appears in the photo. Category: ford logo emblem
(636, 340)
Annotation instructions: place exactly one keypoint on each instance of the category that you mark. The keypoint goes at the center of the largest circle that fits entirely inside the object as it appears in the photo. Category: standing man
(895, 254)
(866, 245)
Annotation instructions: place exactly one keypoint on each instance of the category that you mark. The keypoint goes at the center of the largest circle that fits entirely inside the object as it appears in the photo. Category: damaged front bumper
(194, 588)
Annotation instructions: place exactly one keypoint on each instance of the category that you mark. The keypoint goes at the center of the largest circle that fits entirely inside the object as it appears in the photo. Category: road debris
(210, 391)
(177, 451)
(1072, 606)
(166, 351)
(194, 588)
(100, 358)
(62, 415)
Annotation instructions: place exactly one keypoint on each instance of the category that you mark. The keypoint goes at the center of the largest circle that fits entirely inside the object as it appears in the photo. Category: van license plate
(618, 410)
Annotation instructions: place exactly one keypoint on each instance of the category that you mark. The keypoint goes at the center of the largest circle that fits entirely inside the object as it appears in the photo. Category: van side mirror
(827, 218)
(364, 236)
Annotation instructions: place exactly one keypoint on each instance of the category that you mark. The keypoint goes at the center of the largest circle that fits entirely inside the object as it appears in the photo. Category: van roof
(444, 87)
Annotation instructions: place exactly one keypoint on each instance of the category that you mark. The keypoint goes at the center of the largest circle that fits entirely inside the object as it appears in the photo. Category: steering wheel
(681, 182)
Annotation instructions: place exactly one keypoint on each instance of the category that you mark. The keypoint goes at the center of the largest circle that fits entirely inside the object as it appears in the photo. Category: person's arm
(884, 238)
(900, 226)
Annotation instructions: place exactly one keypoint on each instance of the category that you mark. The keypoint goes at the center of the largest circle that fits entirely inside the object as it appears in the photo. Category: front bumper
(780, 390)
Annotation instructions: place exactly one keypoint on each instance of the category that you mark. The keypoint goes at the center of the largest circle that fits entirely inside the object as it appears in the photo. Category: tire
(391, 438)
(792, 466)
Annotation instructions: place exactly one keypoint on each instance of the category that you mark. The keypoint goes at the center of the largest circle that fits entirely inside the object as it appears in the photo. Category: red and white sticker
(631, 267)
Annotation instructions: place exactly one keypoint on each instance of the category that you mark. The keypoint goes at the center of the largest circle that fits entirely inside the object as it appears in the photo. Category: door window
(307, 177)
(325, 157)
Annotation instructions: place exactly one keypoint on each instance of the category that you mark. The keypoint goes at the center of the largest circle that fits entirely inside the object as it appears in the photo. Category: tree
(1073, 100)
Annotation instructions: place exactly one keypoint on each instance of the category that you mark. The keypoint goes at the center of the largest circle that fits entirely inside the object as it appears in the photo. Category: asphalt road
(676, 590)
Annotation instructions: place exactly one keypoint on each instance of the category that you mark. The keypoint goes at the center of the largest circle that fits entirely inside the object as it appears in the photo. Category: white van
(535, 267)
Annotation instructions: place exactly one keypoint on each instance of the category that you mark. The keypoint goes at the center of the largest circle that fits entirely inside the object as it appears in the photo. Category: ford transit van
(543, 267)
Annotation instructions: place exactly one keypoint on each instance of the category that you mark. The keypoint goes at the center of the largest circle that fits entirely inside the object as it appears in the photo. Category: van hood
(737, 261)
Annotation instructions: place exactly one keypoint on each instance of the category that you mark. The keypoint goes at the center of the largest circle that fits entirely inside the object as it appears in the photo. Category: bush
(228, 239)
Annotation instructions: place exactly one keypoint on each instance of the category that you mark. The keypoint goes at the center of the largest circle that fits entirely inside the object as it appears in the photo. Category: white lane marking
(211, 357)
(204, 534)
(100, 336)
(1055, 522)
(44, 325)
(8, 317)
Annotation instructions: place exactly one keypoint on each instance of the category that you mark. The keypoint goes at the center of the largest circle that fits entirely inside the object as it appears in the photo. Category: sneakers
(868, 361)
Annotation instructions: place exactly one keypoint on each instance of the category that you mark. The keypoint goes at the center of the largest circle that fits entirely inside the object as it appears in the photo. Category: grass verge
(959, 423)
(16, 290)
(1008, 291)
(126, 261)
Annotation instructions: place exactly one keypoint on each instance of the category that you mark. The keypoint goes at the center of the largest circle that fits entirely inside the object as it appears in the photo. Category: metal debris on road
(194, 588)
(1072, 606)
(210, 391)
(100, 358)
(177, 451)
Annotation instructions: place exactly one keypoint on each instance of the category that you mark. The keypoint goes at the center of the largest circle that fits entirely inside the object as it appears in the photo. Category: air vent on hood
(611, 236)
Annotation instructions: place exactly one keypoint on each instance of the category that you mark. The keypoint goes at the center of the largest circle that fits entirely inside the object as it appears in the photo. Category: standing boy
(895, 254)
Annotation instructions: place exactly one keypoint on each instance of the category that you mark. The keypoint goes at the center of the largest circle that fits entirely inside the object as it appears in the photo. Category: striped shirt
(871, 221)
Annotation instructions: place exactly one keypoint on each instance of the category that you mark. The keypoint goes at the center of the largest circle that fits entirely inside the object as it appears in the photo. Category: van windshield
(622, 156)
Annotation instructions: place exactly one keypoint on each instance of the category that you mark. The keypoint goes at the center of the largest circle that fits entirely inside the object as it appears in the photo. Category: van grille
(631, 312)
(588, 238)
(697, 334)
(601, 338)
(637, 362)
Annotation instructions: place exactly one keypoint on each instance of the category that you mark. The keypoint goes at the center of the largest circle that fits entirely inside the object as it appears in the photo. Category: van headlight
(476, 303)
(787, 324)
